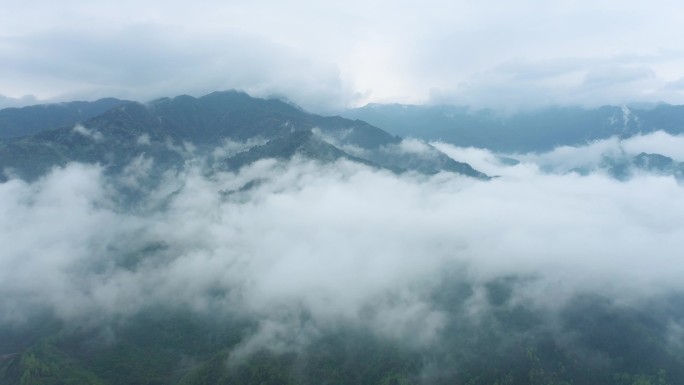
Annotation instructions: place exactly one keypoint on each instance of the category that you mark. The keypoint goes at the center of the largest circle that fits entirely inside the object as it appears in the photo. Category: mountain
(303, 143)
(112, 139)
(172, 130)
(17, 122)
(395, 156)
(194, 288)
(656, 164)
(182, 292)
(538, 130)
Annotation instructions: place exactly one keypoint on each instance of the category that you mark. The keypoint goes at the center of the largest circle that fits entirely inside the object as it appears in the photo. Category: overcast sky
(333, 54)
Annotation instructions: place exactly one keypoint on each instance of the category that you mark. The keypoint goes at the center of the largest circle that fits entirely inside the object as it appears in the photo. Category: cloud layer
(340, 242)
(329, 56)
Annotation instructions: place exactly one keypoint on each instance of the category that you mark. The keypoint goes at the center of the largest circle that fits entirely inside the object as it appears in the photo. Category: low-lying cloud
(343, 243)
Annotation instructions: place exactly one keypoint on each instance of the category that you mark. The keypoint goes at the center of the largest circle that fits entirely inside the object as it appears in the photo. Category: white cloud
(334, 241)
(480, 159)
(94, 135)
(7, 102)
(588, 158)
(656, 143)
(326, 56)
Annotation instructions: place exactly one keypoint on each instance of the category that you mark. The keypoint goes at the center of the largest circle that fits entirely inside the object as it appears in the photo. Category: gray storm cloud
(341, 242)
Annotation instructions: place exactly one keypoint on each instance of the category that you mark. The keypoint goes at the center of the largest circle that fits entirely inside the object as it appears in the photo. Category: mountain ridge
(525, 131)
(23, 121)
(171, 130)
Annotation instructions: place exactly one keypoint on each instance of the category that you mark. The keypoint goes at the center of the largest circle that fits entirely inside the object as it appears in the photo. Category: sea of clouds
(341, 242)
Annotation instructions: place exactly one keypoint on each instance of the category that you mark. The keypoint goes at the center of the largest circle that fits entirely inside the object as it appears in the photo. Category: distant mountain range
(17, 122)
(171, 130)
(538, 131)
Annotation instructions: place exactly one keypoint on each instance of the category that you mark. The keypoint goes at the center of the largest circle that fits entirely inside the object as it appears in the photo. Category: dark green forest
(591, 340)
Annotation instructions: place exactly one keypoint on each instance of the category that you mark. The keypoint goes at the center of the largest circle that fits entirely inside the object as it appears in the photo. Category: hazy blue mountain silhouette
(170, 130)
(24, 121)
(536, 130)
